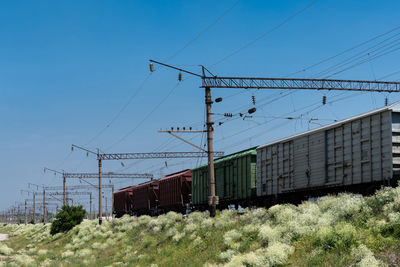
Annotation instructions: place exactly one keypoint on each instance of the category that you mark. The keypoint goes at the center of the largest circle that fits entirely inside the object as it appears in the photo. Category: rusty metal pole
(106, 210)
(90, 208)
(100, 208)
(65, 189)
(34, 209)
(112, 207)
(26, 213)
(212, 199)
(44, 205)
(19, 214)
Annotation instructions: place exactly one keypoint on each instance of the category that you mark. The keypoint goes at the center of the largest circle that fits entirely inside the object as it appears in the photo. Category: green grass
(342, 230)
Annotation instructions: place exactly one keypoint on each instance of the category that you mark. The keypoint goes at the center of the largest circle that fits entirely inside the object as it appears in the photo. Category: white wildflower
(278, 253)
(231, 237)
(269, 234)
(227, 255)
(24, 260)
(83, 253)
(197, 241)
(178, 236)
(365, 258)
(5, 250)
(190, 227)
(42, 252)
(67, 254)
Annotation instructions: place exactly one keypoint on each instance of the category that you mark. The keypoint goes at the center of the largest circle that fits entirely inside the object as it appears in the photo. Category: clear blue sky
(68, 67)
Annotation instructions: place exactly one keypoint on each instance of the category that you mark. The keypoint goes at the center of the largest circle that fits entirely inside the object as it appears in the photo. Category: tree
(67, 218)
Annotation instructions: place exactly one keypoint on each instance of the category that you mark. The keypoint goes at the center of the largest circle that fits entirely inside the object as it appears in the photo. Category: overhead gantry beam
(156, 155)
(109, 175)
(299, 84)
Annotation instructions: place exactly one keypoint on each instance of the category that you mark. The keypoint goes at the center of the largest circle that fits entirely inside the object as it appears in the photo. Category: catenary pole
(100, 208)
(212, 199)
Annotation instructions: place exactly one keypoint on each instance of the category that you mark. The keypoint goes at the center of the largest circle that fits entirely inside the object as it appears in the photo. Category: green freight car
(235, 180)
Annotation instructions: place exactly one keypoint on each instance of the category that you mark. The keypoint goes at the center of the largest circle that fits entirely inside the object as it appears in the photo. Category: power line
(266, 33)
(343, 52)
(121, 110)
(146, 117)
(203, 31)
(366, 60)
(365, 53)
(388, 75)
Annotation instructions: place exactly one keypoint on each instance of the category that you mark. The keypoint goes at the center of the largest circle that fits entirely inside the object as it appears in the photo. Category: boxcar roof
(175, 174)
(124, 189)
(251, 151)
(395, 107)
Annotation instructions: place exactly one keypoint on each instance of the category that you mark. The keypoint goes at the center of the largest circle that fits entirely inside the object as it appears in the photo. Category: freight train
(358, 155)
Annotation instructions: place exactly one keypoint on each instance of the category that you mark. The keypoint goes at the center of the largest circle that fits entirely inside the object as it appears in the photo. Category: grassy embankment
(342, 230)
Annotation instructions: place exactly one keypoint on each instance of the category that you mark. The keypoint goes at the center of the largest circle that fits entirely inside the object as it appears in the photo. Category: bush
(67, 218)
(342, 237)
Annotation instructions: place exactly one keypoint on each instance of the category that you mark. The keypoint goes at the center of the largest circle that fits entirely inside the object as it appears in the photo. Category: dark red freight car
(176, 191)
(123, 201)
(145, 198)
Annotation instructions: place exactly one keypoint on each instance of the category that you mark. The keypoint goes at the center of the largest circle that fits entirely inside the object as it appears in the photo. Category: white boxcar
(361, 149)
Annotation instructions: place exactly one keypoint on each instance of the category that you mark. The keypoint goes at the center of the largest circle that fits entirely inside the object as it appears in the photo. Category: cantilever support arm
(184, 140)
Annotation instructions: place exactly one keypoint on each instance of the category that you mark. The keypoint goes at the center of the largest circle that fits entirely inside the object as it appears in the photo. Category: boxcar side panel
(353, 152)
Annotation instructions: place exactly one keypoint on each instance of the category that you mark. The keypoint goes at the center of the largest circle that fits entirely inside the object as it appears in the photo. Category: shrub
(364, 257)
(380, 199)
(5, 250)
(268, 234)
(67, 218)
(342, 236)
(231, 236)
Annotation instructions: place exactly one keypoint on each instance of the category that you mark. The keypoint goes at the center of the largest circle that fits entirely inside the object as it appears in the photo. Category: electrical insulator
(87, 154)
(122, 164)
(252, 110)
(190, 128)
(386, 101)
(72, 148)
(180, 77)
(324, 100)
(177, 128)
(228, 114)
(172, 128)
(220, 123)
(253, 99)
(219, 99)
(184, 128)
(151, 67)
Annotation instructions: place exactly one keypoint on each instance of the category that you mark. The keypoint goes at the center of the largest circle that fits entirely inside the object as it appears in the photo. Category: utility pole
(90, 207)
(212, 199)
(64, 189)
(112, 201)
(100, 208)
(106, 209)
(44, 206)
(19, 214)
(26, 211)
(34, 209)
